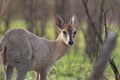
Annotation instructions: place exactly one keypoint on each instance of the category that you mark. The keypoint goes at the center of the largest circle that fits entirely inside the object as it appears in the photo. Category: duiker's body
(25, 51)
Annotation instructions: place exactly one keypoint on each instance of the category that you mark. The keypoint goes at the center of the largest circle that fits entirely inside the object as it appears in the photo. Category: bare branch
(107, 46)
(85, 2)
(91, 21)
(111, 61)
(104, 57)
(86, 9)
(4, 7)
(100, 17)
(101, 13)
(105, 24)
(115, 70)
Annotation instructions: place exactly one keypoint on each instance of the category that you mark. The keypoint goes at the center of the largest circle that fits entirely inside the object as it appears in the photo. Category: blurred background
(37, 16)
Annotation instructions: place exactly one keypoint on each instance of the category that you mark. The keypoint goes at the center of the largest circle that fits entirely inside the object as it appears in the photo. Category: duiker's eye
(74, 32)
(64, 32)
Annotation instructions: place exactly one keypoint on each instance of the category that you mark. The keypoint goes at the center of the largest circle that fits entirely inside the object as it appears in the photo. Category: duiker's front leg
(21, 73)
(8, 72)
(43, 75)
(38, 75)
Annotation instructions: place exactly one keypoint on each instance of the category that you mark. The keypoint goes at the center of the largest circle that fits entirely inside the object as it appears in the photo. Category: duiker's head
(68, 30)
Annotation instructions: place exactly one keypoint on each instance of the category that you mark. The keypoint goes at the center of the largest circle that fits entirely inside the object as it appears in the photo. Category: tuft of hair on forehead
(68, 26)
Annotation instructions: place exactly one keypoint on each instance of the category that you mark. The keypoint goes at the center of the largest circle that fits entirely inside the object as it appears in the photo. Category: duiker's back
(24, 47)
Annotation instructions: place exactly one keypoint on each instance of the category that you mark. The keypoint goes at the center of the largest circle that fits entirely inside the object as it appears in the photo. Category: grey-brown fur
(24, 51)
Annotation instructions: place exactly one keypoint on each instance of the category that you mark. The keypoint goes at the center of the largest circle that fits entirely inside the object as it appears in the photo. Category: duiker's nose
(70, 42)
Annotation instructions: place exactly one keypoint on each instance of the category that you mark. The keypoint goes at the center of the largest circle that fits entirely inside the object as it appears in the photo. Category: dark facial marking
(70, 34)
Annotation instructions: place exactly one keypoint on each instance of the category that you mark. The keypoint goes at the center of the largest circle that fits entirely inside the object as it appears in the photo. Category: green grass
(74, 65)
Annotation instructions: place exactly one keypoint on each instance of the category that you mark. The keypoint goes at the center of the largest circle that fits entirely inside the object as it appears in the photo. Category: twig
(105, 24)
(115, 70)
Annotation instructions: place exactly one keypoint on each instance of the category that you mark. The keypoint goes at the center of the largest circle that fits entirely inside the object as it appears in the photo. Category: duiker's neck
(59, 47)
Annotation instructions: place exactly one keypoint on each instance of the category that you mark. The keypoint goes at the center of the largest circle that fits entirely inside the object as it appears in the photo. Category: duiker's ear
(74, 21)
(59, 21)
